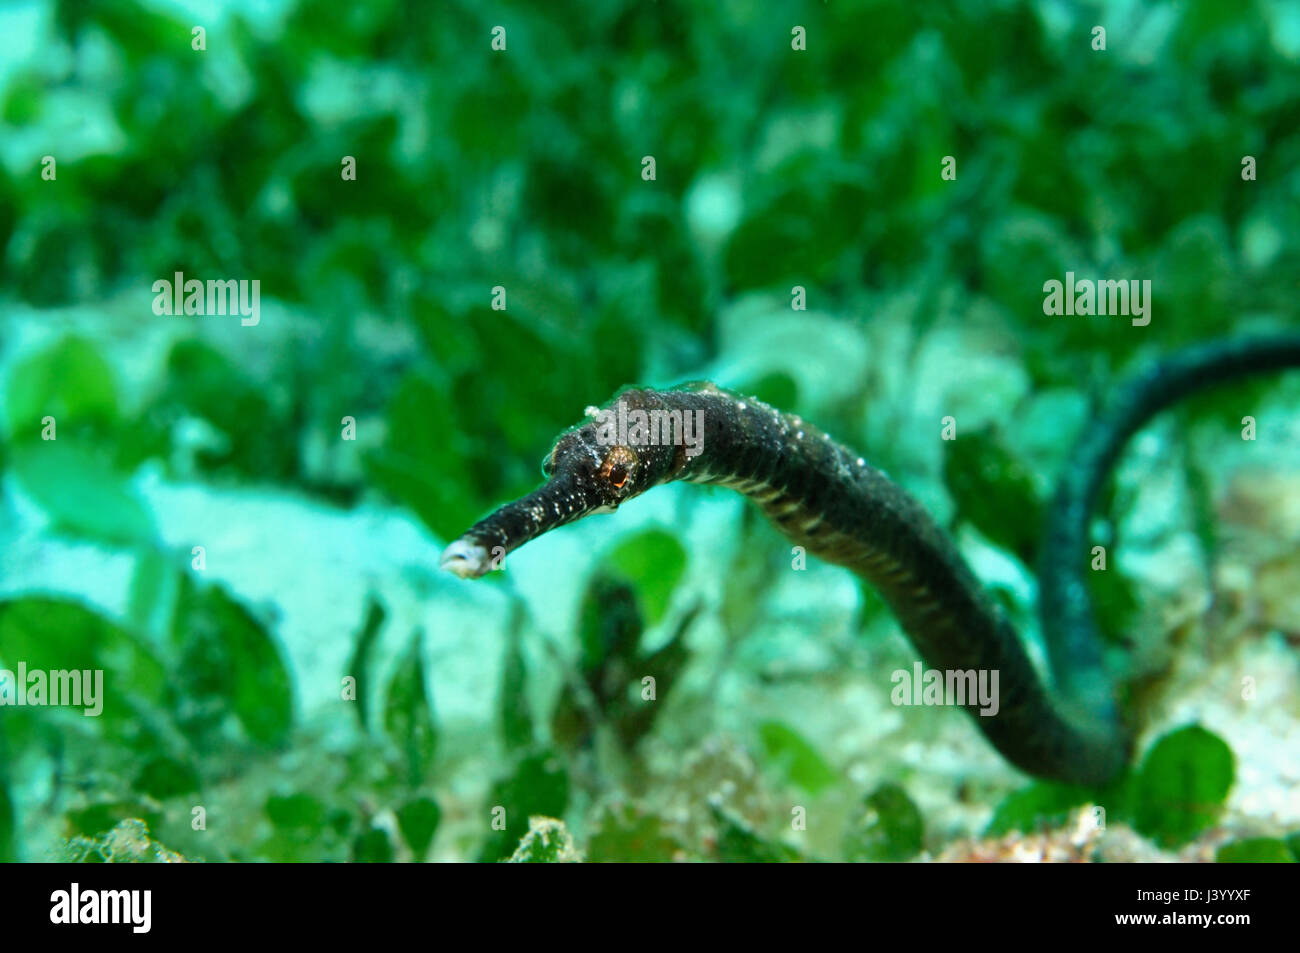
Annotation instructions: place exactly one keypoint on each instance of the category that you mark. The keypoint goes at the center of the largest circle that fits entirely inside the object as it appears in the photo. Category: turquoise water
(445, 240)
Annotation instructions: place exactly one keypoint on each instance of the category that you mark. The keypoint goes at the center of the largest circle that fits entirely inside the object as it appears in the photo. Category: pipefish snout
(825, 497)
(588, 471)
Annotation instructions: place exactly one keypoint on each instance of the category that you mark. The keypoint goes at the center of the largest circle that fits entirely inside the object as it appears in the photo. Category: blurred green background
(210, 530)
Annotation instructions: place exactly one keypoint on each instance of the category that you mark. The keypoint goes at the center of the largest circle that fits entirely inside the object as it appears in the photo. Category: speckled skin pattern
(829, 500)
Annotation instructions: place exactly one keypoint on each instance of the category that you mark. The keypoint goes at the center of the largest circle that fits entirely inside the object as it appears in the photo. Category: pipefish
(827, 498)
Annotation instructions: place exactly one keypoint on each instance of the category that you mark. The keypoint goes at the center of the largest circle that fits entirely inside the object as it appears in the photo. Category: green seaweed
(163, 777)
(988, 481)
(737, 842)
(1255, 850)
(70, 381)
(408, 714)
(538, 786)
(1177, 792)
(517, 731)
(790, 754)
(359, 665)
(418, 820)
(654, 562)
(1041, 805)
(548, 841)
(8, 824)
(627, 834)
(622, 686)
(1182, 784)
(888, 828)
(229, 653)
(373, 846)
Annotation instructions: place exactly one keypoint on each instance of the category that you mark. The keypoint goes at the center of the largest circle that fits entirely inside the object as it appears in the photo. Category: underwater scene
(649, 431)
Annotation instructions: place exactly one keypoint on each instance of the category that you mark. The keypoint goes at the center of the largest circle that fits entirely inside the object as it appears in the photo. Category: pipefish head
(612, 457)
(592, 468)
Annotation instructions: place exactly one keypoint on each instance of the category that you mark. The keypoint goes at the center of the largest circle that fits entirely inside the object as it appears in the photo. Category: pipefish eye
(618, 467)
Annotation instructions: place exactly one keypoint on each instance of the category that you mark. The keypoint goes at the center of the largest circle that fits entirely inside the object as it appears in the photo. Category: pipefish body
(831, 501)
